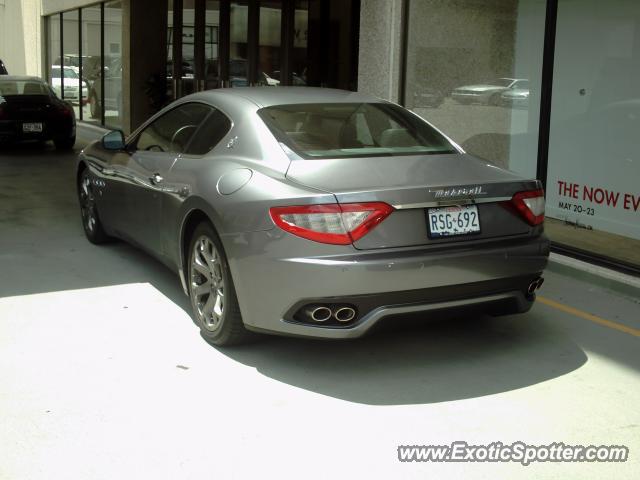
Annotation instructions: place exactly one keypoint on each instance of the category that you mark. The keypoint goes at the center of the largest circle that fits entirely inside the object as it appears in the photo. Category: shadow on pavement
(441, 360)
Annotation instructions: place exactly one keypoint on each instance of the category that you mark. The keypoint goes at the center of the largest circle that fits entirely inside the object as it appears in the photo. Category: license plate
(450, 221)
(31, 127)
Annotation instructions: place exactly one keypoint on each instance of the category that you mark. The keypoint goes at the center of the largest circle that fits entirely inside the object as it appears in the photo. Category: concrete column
(380, 48)
(20, 36)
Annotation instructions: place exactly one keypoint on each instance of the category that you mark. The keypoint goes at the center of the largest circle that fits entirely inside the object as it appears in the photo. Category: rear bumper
(12, 130)
(273, 283)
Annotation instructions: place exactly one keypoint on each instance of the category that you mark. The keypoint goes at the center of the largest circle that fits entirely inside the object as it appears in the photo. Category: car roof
(269, 96)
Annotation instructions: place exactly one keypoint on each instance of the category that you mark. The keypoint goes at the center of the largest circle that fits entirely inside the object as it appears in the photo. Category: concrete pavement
(103, 373)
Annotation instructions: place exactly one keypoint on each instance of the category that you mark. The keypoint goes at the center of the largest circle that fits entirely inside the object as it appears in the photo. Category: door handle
(156, 178)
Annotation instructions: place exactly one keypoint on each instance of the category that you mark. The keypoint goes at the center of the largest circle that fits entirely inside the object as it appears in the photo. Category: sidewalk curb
(603, 277)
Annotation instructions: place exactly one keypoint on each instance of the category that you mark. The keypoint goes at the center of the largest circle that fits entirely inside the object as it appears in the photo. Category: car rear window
(23, 87)
(336, 130)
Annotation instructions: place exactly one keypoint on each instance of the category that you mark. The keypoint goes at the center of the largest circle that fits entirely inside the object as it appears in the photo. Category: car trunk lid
(414, 184)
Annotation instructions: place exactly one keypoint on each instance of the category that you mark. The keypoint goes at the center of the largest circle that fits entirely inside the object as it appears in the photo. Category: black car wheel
(90, 220)
(211, 290)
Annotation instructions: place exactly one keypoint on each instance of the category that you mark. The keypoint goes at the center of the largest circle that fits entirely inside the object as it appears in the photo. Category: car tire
(211, 290)
(93, 229)
(66, 143)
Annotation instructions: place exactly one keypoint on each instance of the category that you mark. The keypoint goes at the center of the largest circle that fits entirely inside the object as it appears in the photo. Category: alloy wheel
(207, 283)
(87, 204)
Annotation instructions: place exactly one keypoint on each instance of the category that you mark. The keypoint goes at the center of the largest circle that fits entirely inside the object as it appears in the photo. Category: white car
(488, 93)
(72, 84)
(517, 97)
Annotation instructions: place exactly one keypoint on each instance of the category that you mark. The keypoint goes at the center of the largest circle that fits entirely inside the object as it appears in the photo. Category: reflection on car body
(427, 97)
(487, 93)
(314, 212)
(517, 97)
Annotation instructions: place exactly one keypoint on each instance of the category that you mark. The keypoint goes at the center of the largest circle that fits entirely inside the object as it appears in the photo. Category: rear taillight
(530, 205)
(333, 223)
(65, 111)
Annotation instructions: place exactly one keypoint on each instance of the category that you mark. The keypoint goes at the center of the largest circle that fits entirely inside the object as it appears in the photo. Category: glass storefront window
(199, 61)
(269, 43)
(474, 71)
(75, 90)
(91, 63)
(238, 67)
(53, 27)
(188, 47)
(113, 65)
(300, 56)
(593, 200)
(212, 25)
(170, 42)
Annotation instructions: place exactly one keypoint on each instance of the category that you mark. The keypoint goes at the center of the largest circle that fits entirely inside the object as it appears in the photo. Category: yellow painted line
(588, 316)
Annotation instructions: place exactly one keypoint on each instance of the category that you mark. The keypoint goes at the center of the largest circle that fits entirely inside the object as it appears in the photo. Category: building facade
(547, 88)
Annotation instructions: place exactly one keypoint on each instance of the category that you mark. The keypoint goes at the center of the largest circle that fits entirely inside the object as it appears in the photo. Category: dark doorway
(225, 43)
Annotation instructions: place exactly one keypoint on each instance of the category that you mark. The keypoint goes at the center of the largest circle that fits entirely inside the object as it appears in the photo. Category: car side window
(172, 131)
(214, 128)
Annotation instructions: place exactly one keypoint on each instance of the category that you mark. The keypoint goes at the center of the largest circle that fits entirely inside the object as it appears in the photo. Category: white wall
(20, 36)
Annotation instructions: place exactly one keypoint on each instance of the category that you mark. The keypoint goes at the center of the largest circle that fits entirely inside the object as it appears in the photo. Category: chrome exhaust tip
(535, 285)
(344, 314)
(319, 314)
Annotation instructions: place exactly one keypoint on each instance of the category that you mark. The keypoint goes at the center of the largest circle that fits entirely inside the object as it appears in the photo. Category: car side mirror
(113, 140)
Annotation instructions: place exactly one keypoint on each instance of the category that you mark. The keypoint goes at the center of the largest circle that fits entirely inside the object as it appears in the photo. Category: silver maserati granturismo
(314, 212)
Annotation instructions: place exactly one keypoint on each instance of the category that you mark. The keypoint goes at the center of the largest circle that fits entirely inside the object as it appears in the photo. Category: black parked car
(3, 69)
(30, 110)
